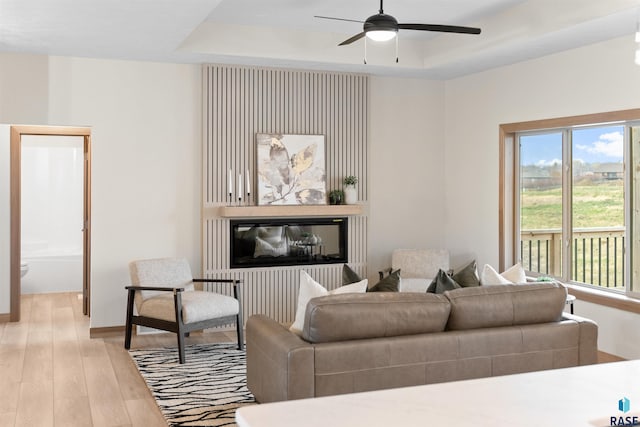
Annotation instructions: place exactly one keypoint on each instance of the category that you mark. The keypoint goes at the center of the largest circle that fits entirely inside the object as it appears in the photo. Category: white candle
(239, 186)
(248, 183)
(230, 182)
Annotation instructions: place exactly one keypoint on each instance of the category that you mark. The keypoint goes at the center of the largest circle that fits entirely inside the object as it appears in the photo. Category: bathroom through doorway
(58, 241)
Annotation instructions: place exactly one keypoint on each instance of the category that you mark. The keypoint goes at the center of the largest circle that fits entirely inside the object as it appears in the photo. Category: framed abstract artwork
(291, 169)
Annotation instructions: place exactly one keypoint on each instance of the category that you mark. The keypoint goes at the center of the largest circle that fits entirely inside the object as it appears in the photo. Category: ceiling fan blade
(352, 39)
(338, 19)
(440, 28)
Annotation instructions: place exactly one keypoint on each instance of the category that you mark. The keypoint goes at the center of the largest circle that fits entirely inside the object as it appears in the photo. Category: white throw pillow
(414, 284)
(514, 274)
(309, 289)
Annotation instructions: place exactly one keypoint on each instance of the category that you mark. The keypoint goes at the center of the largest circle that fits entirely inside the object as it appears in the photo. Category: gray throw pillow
(391, 283)
(468, 276)
(349, 276)
(442, 283)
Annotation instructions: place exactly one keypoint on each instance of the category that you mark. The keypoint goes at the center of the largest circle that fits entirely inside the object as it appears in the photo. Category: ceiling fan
(382, 27)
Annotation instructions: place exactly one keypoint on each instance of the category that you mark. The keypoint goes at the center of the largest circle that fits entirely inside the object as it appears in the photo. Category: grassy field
(594, 205)
(598, 259)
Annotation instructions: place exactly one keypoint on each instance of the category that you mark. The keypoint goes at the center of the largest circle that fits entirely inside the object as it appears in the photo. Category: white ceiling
(285, 32)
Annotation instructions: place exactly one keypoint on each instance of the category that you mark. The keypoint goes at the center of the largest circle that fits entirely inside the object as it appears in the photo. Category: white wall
(618, 331)
(24, 82)
(146, 136)
(593, 79)
(406, 181)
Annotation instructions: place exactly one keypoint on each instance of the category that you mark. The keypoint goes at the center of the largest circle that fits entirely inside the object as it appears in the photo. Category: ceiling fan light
(381, 35)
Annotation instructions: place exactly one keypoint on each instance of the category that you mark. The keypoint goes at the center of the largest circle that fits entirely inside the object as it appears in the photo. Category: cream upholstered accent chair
(420, 263)
(418, 267)
(164, 296)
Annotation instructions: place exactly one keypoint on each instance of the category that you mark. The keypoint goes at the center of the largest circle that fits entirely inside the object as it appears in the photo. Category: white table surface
(581, 396)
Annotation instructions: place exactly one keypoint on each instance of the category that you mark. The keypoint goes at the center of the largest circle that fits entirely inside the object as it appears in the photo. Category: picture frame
(291, 169)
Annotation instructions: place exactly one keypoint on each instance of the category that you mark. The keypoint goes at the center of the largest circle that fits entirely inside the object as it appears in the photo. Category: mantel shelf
(284, 211)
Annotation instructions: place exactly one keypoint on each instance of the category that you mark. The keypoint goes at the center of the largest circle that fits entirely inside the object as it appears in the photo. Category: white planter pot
(350, 195)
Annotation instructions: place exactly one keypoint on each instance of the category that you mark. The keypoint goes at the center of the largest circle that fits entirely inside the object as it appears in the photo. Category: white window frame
(509, 218)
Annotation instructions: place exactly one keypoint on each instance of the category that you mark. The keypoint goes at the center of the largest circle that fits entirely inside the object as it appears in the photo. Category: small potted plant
(336, 197)
(350, 193)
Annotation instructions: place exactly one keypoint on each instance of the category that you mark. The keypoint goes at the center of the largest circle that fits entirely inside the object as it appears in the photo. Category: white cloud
(608, 144)
(551, 162)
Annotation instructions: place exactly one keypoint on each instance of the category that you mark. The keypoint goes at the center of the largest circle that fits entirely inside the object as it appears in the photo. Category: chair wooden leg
(240, 331)
(129, 325)
(180, 332)
(239, 317)
(180, 346)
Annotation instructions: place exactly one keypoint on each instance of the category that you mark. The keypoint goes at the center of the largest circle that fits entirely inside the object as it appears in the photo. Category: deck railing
(597, 254)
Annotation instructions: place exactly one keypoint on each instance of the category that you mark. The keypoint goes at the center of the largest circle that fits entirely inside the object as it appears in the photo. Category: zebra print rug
(205, 391)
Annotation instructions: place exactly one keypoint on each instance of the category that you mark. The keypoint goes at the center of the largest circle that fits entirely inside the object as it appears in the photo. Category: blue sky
(602, 144)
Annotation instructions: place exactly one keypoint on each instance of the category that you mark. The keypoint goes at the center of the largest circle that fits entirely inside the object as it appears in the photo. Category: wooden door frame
(15, 208)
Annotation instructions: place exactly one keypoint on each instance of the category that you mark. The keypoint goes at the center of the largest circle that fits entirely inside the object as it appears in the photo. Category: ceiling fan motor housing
(381, 22)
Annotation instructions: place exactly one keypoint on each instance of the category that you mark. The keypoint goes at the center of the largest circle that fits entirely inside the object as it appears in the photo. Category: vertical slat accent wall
(242, 101)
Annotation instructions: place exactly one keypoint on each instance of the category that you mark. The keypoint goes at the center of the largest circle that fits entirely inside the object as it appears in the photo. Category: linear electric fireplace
(291, 241)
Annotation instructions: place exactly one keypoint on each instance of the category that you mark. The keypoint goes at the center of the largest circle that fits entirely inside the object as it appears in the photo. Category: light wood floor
(52, 374)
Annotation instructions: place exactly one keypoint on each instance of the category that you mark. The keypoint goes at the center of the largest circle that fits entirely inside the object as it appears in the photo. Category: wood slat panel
(242, 101)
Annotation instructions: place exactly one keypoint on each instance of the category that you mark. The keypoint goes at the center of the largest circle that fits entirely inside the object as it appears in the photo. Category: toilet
(24, 269)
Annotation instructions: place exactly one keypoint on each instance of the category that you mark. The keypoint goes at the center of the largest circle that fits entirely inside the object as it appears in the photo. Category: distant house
(540, 177)
(609, 171)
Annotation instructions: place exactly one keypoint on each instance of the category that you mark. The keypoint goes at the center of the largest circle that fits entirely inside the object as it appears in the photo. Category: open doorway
(24, 136)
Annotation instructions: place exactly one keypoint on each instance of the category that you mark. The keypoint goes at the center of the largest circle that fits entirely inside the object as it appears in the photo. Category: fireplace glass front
(295, 241)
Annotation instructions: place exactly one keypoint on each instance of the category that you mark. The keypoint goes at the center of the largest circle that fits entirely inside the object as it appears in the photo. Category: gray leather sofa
(361, 342)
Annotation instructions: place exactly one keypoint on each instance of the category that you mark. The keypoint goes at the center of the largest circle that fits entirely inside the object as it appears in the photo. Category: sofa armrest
(280, 365)
(588, 338)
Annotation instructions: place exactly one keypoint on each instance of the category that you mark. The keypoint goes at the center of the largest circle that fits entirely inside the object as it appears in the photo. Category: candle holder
(230, 186)
(248, 187)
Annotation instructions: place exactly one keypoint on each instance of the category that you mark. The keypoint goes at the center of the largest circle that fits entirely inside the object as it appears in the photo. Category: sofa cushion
(514, 274)
(442, 283)
(391, 283)
(505, 305)
(349, 276)
(468, 276)
(373, 315)
(196, 306)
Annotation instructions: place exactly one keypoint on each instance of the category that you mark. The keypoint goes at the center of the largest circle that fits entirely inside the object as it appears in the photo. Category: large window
(568, 200)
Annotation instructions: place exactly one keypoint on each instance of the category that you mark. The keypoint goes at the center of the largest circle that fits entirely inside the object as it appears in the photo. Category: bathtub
(52, 270)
